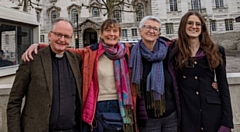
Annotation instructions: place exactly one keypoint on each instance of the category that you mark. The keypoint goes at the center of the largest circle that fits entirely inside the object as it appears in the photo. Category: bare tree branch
(26, 4)
(93, 6)
(98, 2)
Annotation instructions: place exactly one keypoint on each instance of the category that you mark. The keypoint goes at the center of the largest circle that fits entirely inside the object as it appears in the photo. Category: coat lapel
(74, 67)
(47, 66)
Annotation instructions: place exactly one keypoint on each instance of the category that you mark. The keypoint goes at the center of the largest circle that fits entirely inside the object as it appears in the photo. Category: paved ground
(233, 61)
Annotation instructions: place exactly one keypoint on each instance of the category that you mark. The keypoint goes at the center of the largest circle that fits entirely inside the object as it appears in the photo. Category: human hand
(215, 86)
(27, 55)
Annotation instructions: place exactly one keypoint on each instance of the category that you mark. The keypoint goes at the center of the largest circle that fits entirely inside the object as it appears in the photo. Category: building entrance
(89, 37)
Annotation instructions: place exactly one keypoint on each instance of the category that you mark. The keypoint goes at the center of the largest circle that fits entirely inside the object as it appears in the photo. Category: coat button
(202, 129)
(197, 93)
(196, 77)
(184, 77)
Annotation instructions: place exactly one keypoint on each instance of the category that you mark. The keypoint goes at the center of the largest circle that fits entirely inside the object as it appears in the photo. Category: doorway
(89, 37)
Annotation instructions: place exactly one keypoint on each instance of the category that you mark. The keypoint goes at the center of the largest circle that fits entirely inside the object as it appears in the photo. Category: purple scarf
(155, 79)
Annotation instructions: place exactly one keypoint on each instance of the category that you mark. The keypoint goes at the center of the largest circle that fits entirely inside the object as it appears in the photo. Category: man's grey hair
(55, 21)
(143, 21)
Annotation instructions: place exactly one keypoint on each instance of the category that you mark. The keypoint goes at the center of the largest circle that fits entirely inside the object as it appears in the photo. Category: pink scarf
(122, 81)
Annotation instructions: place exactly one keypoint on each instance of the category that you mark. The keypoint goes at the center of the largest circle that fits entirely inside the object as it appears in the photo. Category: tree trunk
(109, 6)
(110, 14)
(25, 5)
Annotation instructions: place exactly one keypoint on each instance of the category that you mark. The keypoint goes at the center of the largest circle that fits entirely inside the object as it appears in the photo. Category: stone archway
(89, 36)
(89, 31)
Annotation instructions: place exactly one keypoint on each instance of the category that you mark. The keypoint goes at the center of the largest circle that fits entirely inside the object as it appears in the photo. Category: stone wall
(4, 93)
(229, 40)
(234, 83)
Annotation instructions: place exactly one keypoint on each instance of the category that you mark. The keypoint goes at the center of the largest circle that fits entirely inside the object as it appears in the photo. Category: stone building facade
(86, 21)
(222, 16)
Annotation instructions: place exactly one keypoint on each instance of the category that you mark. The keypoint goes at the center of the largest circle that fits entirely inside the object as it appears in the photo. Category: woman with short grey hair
(156, 102)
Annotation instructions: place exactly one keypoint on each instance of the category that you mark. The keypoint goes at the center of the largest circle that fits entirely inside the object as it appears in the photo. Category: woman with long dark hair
(197, 60)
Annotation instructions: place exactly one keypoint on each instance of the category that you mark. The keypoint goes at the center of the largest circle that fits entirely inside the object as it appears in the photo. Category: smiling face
(110, 32)
(60, 36)
(110, 35)
(193, 26)
(150, 31)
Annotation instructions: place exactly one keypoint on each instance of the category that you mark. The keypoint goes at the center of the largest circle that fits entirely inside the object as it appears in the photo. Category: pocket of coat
(213, 100)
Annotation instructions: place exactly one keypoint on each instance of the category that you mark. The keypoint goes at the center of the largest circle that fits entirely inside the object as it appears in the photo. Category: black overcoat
(203, 108)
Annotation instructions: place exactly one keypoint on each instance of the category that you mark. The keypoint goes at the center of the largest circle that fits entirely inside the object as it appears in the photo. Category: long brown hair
(183, 57)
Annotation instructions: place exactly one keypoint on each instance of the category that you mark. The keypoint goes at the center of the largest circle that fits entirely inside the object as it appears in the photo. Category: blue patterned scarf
(155, 79)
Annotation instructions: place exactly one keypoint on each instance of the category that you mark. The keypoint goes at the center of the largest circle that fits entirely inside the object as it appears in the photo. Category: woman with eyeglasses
(156, 102)
(197, 60)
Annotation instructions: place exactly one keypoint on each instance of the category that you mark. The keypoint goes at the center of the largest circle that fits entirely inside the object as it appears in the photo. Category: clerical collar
(59, 55)
(56, 55)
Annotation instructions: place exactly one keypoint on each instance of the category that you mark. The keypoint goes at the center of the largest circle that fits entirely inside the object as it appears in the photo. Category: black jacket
(202, 107)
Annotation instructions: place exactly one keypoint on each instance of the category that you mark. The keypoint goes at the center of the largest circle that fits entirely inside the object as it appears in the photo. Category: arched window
(95, 12)
(53, 15)
(74, 13)
(139, 12)
(117, 14)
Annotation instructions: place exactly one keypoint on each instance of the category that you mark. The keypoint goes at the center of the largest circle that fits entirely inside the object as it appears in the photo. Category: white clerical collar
(59, 55)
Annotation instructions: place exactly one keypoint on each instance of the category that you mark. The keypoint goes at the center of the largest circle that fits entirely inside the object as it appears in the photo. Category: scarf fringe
(138, 90)
(128, 128)
(159, 106)
(128, 125)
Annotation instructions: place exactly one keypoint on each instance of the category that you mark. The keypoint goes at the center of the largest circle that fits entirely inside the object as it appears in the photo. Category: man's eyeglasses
(148, 28)
(191, 23)
(59, 35)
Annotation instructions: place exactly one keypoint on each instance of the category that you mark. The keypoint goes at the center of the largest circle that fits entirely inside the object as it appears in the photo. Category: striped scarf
(155, 79)
(122, 82)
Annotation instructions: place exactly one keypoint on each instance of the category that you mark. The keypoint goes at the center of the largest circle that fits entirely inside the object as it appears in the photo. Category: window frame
(95, 12)
(54, 15)
(173, 5)
(169, 28)
(134, 32)
(219, 3)
(124, 33)
(213, 25)
(195, 4)
(228, 24)
(42, 38)
(117, 14)
(139, 12)
(74, 13)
